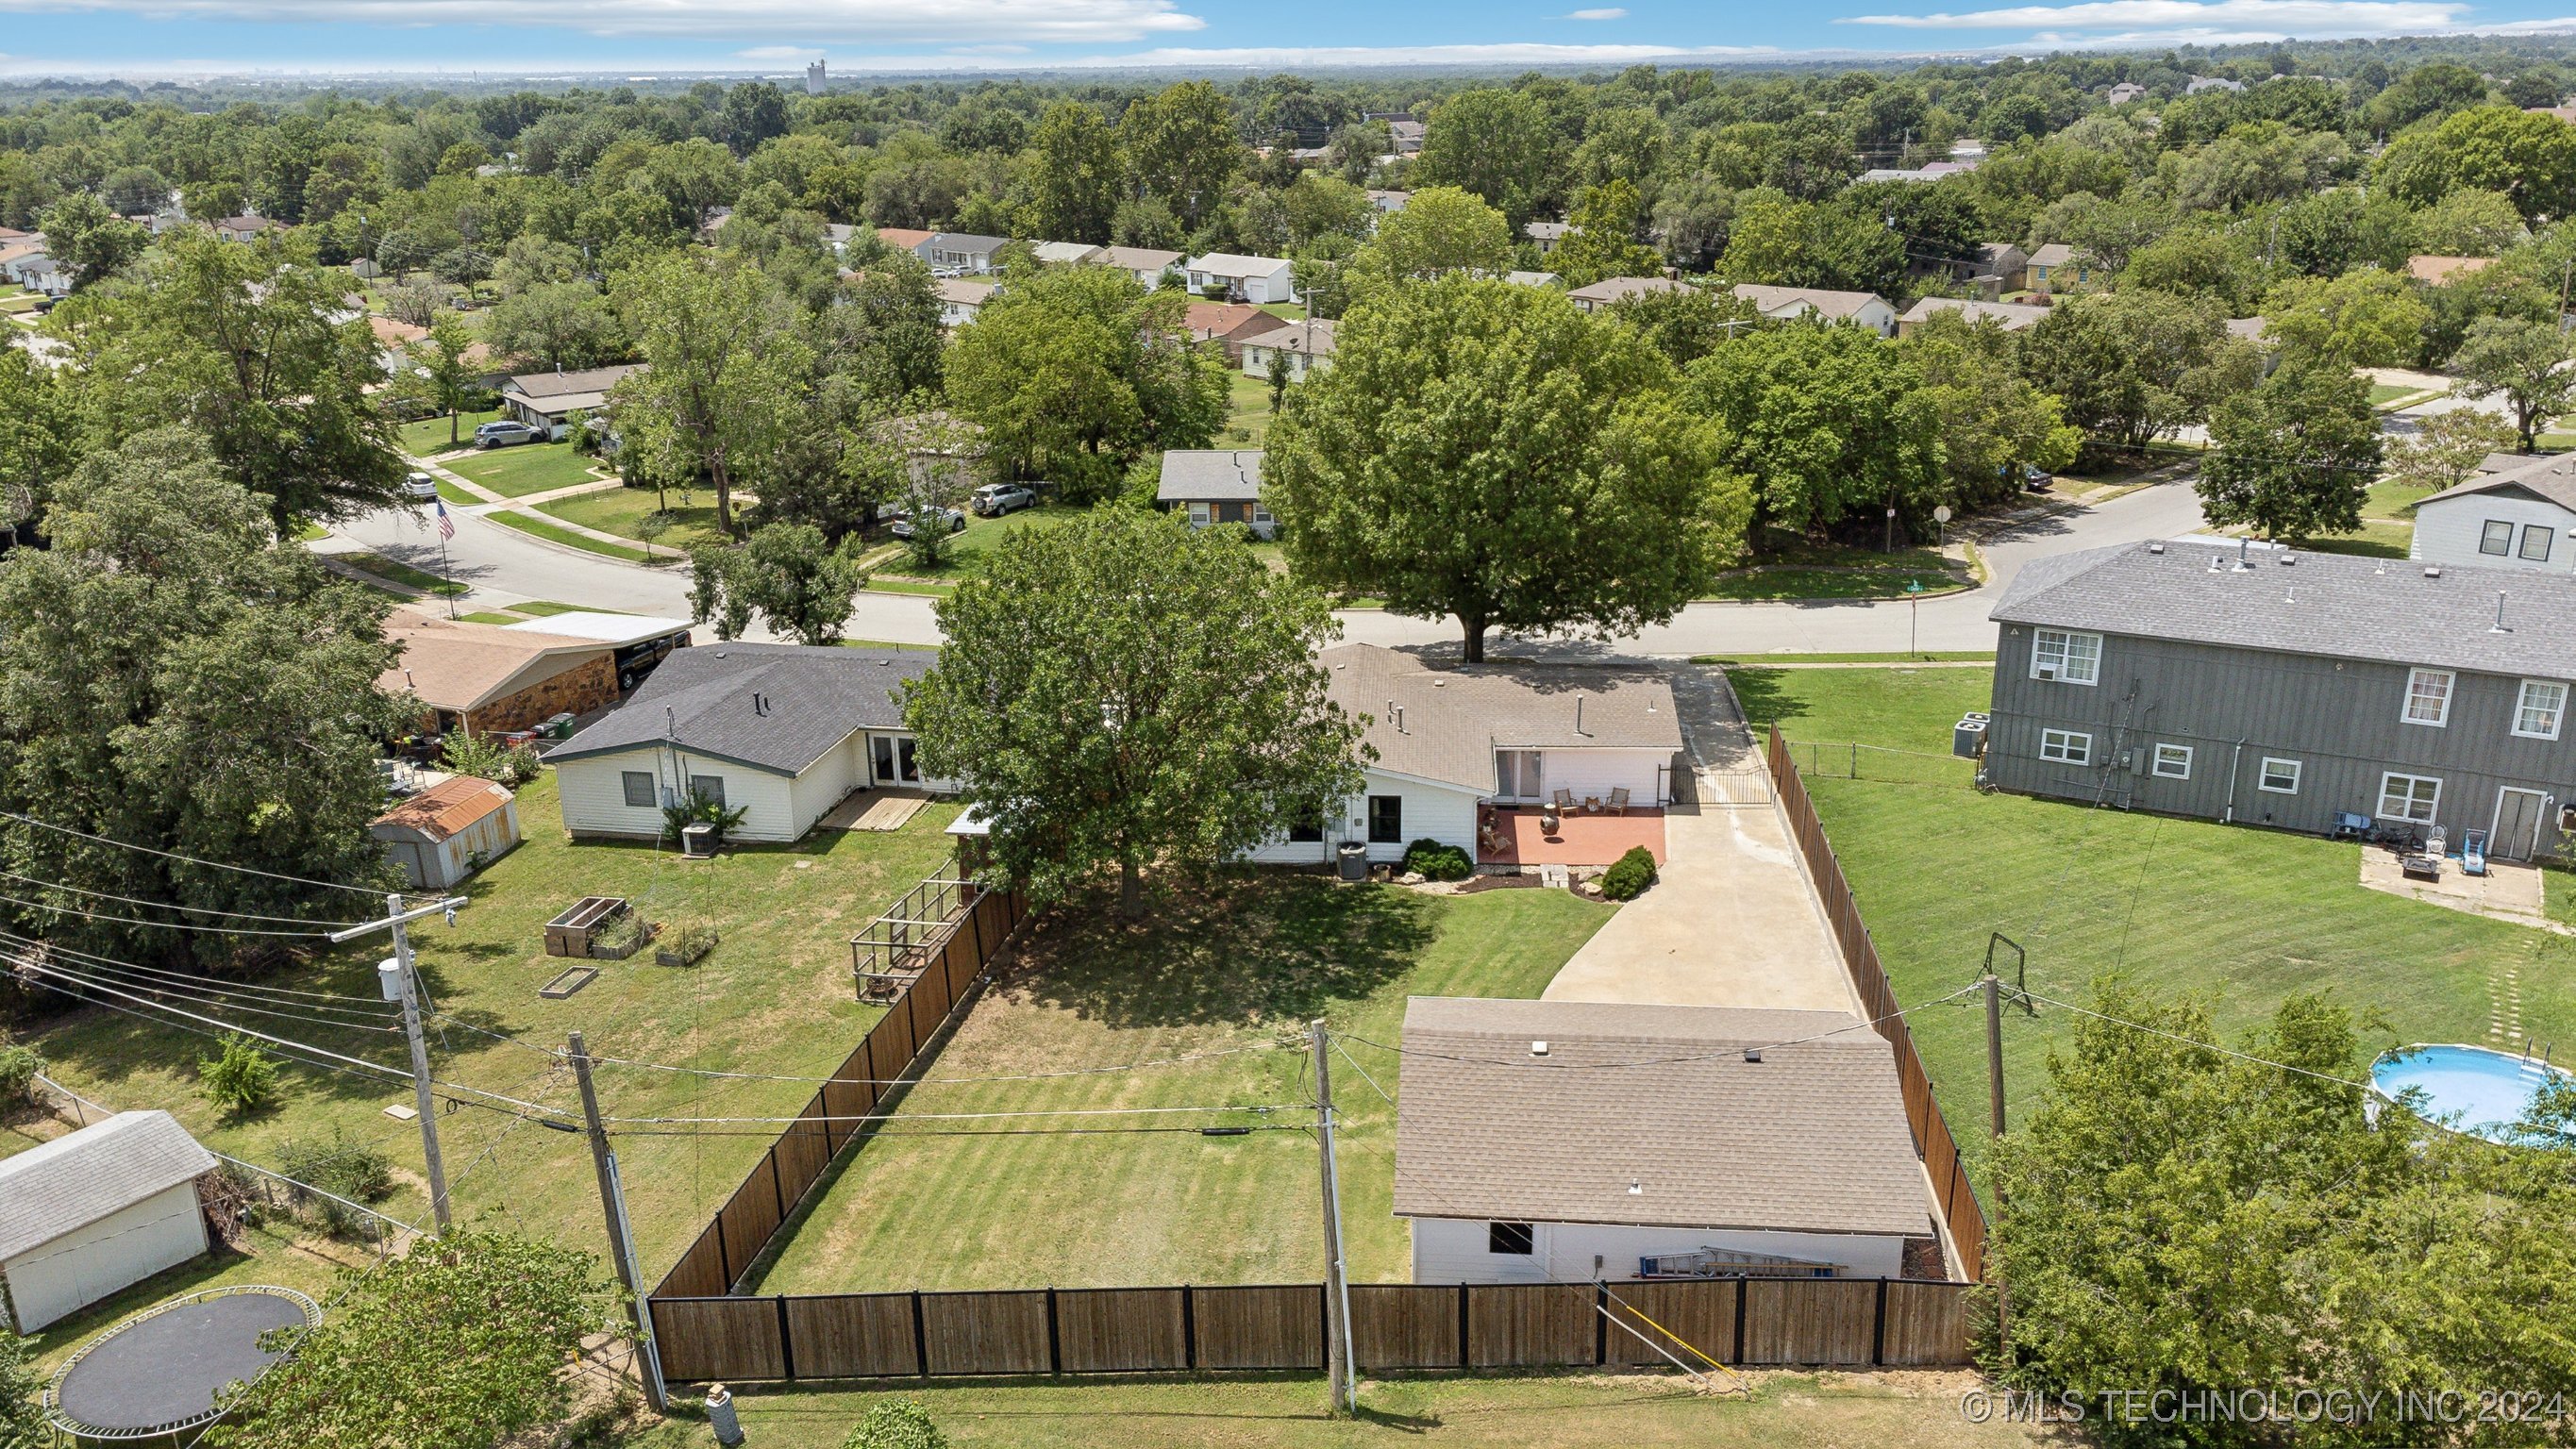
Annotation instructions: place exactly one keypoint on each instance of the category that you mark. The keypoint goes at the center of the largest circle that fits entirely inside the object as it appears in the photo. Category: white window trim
(2486, 535)
(2406, 707)
(2557, 716)
(2547, 535)
(2162, 773)
(2070, 751)
(2432, 811)
(2066, 655)
(2263, 776)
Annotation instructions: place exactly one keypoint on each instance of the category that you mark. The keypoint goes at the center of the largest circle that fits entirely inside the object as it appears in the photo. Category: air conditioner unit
(2047, 671)
(698, 842)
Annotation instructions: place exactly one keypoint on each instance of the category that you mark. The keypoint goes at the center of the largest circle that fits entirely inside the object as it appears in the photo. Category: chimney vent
(1538, 1048)
(2432, 571)
(2156, 546)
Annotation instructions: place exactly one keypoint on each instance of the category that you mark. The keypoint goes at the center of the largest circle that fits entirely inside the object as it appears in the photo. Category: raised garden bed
(685, 946)
(570, 934)
(568, 981)
(621, 938)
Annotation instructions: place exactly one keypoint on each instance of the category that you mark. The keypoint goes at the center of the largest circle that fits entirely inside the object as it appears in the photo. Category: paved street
(504, 566)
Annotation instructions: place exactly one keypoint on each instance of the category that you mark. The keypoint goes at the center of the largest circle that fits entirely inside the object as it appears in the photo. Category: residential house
(1602, 295)
(2564, 113)
(1215, 485)
(2056, 268)
(2009, 316)
(1384, 201)
(44, 275)
(957, 251)
(2519, 512)
(394, 339)
(1147, 265)
(1546, 235)
(549, 399)
(449, 830)
(2433, 271)
(2212, 677)
(1861, 309)
(1407, 135)
(637, 643)
(1928, 171)
(16, 250)
(1063, 254)
(781, 731)
(491, 678)
(1307, 345)
(838, 236)
(246, 228)
(907, 239)
(961, 298)
(96, 1211)
(1740, 1141)
(2201, 83)
(1243, 279)
(2125, 92)
(1459, 747)
(1532, 279)
(1996, 265)
(1228, 324)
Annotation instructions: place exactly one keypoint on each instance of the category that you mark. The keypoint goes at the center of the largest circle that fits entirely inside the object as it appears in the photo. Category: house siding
(594, 795)
(1454, 1250)
(577, 685)
(1446, 813)
(1598, 772)
(2341, 719)
(119, 1250)
(2448, 532)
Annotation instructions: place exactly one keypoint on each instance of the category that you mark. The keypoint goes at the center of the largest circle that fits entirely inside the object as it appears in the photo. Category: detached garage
(102, 1209)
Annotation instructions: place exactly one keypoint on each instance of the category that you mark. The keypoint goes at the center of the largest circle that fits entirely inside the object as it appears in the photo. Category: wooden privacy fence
(1847, 1322)
(949, 955)
(1959, 1206)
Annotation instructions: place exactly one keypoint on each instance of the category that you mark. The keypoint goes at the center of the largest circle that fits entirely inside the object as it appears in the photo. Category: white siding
(2448, 532)
(119, 1250)
(1446, 813)
(594, 795)
(1598, 772)
(1451, 1250)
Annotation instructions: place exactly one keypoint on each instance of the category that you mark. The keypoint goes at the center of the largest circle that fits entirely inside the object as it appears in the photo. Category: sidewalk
(496, 503)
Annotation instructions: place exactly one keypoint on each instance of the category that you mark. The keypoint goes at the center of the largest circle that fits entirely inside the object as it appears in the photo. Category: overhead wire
(89, 915)
(934, 1081)
(167, 905)
(950, 1116)
(1728, 1053)
(191, 859)
(261, 987)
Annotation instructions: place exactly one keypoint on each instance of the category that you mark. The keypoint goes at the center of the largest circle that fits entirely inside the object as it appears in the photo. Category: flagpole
(446, 527)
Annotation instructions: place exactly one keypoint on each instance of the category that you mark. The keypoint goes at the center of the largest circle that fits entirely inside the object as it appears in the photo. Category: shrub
(486, 758)
(1629, 875)
(895, 1424)
(356, 1171)
(241, 1081)
(18, 1068)
(1430, 858)
(699, 808)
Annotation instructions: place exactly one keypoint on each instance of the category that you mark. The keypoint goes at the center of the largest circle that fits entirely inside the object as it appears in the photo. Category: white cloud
(1503, 54)
(935, 22)
(778, 53)
(1613, 13)
(2147, 21)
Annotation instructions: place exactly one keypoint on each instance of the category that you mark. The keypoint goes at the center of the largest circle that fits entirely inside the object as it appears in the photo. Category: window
(2428, 696)
(1308, 827)
(1386, 820)
(2281, 777)
(1515, 1238)
(2063, 654)
(639, 789)
(2173, 762)
(2066, 746)
(2537, 714)
(1199, 517)
(2408, 797)
(711, 786)
(2535, 542)
(2497, 539)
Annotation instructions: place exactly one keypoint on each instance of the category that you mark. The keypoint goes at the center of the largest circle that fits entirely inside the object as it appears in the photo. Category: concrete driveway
(1731, 921)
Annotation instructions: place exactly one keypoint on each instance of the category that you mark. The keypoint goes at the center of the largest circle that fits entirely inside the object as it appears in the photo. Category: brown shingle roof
(447, 808)
(1455, 718)
(2434, 271)
(452, 664)
(1650, 1115)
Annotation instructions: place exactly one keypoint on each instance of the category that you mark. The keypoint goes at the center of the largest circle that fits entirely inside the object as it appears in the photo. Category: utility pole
(1994, 986)
(400, 982)
(621, 1237)
(1337, 1289)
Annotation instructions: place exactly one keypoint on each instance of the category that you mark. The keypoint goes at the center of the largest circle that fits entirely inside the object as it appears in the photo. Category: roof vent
(1538, 1048)
(1753, 1054)
(2244, 555)
(2432, 571)
(2499, 626)
(2155, 546)
(1636, 1187)
(2216, 563)
(2288, 558)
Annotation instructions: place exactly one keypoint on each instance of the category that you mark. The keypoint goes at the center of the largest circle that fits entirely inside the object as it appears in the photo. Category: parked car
(2035, 478)
(903, 527)
(507, 434)
(420, 487)
(995, 499)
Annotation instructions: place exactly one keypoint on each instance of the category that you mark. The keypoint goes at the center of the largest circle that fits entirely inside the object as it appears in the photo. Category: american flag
(446, 525)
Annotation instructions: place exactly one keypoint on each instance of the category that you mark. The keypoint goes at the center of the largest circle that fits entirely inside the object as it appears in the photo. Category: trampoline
(162, 1371)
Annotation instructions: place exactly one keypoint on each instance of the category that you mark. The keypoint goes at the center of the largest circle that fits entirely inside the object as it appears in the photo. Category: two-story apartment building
(2271, 687)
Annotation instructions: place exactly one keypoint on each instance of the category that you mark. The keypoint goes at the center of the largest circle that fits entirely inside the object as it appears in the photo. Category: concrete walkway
(1731, 921)
(496, 503)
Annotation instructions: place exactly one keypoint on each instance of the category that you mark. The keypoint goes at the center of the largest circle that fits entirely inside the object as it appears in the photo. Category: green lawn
(396, 571)
(774, 997)
(428, 437)
(1791, 656)
(2381, 392)
(2374, 540)
(536, 527)
(622, 511)
(964, 557)
(1831, 583)
(454, 496)
(528, 468)
(1285, 311)
(2241, 916)
(1243, 965)
(1247, 420)
(1285, 1411)
(2392, 499)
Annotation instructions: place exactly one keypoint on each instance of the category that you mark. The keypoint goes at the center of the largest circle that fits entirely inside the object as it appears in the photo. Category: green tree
(2523, 362)
(888, 338)
(254, 348)
(39, 435)
(2197, 262)
(2364, 318)
(1441, 229)
(1486, 451)
(895, 1424)
(1181, 148)
(1828, 425)
(240, 1080)
(1077, 174)
(1601, 241)
(566, 325)
(724, 370)
(22, 1416)
(2468, 222)
(2294, 457)
(1122, 691)
(2132, 364)
(1991, 418)
(94, 242)
(451, 376)
(1778, 241)
(1497, 144)
(2446, 448)
(464, 1342)
(1686, 324)
(173, 674)
(785, 574)
(2528, 156)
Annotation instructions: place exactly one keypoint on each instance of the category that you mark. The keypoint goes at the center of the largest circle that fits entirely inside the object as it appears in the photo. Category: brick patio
(1580, 839)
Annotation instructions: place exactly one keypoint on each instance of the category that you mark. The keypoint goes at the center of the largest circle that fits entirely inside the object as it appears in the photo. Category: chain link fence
(1827, 760)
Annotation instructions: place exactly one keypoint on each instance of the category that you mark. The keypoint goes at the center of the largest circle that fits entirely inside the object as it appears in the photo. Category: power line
(190, 859)
(2203, 1045)
(165, 925)
(111, 981)
(1730, 1052)
(165, 905)
(948, 1116)
(1229, 1131)
(59, 949)
(267, 1006)
(929, 1081)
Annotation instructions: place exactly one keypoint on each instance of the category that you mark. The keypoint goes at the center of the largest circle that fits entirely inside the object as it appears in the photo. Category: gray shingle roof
(1210, 475)
(1811, 1138)
(1455, 718)
(2551, 477)
(2337, 606)
(816, 697)
(73, 1181)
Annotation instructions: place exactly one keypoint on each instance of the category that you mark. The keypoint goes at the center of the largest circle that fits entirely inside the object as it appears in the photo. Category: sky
(154, 38)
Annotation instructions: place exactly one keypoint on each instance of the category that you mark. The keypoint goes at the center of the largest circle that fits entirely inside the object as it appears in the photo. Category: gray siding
(2341, 719)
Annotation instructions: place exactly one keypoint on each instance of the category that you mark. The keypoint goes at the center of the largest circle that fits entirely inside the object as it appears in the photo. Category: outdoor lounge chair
(1564, 799)
(1619, 800)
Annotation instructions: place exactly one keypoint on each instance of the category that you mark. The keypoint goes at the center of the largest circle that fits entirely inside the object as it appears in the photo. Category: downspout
(2228, 817)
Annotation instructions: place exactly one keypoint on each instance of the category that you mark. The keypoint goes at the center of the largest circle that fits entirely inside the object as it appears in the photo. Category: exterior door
(1518, 774)
(881, 755)
(2517, 823)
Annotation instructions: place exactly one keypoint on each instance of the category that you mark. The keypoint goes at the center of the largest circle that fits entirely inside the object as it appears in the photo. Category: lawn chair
(1619, 800)
(1564, 799)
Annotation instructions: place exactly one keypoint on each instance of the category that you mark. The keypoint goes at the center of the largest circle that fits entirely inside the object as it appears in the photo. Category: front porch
(1515, 835)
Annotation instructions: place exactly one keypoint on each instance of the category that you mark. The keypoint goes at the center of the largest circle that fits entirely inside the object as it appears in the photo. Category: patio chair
(1564, 799)
(1619, 800)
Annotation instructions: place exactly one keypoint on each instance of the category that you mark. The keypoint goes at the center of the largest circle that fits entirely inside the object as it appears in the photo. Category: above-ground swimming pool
(2470, 1088)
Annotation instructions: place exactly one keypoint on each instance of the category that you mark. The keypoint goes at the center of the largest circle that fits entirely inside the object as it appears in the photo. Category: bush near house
(1629, 875)
(1436, 861)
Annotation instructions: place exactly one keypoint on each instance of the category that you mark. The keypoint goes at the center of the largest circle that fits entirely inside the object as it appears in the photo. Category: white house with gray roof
(95, 1211)
(2519, 512)
(1241, 278)
(958, 251)
(1215, 485)
(2272, 687)
(784, 731)
(1520, 1158)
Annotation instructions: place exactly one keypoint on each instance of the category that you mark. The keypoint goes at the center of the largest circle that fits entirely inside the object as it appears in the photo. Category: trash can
(1354, 858)
(1968, 737)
